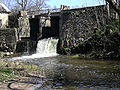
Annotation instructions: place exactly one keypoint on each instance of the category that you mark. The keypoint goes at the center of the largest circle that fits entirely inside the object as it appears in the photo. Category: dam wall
(77, 25)
(71, 26)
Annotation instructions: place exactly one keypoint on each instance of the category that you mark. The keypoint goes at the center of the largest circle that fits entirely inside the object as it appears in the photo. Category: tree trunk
(115, 6)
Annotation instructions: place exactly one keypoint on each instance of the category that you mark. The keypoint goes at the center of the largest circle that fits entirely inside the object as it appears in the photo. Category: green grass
(10, 70)
(6, 73)
(31, 67)
(75, 56)
(114, 26)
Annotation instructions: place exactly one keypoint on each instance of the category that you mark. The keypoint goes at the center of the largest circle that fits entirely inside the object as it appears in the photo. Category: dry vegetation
(14, 69)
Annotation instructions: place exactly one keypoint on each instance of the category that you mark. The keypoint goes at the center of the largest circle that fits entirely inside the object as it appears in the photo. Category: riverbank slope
(19, 75)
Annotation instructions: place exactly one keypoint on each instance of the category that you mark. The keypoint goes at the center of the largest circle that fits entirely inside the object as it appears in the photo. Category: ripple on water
(65, 73)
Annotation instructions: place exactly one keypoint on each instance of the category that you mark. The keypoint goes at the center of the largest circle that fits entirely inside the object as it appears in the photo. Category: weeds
(10, 69)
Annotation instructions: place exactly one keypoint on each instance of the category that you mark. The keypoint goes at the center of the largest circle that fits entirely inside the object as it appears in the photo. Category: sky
(74, 3)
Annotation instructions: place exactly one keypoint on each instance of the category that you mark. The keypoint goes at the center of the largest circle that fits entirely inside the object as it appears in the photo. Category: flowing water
(45, 48)
(69, 73)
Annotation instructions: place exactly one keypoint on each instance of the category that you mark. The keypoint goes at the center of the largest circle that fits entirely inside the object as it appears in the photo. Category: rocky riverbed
(18, 75)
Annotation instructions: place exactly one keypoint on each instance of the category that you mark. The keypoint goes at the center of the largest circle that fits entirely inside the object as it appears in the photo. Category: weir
(45, 48)
(71, 26)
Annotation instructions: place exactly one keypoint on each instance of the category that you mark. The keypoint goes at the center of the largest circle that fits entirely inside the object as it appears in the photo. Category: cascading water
(45, 48)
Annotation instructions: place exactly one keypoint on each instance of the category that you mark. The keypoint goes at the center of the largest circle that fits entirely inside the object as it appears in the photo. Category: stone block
(8, 40)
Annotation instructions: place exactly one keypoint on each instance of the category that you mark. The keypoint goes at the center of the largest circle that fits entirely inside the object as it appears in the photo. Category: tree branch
(114, 5)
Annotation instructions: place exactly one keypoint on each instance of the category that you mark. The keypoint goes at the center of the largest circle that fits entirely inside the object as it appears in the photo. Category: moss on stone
(75, 56)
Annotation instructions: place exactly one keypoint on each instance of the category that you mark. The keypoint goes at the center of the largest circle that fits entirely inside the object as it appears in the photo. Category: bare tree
(27, 5)
(8, 3)
(22, 4)
(115, 5)
(39, 4)
(30, 5)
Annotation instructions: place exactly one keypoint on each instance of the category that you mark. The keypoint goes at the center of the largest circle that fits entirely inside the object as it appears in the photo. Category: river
(71, 73)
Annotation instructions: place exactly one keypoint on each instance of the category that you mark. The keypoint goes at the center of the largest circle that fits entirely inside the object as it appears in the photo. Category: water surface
(67, 73)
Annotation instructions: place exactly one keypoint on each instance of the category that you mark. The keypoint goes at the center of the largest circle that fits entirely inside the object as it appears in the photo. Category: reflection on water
(67, 73)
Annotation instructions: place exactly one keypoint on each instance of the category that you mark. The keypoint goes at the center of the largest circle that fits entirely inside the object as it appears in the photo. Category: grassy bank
(14, 69)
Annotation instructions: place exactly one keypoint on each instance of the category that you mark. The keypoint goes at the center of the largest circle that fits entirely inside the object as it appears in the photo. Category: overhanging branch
(114, 5)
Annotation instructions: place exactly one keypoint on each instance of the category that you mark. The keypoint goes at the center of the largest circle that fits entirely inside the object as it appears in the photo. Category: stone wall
(4, 18)
(8, 40)
(77, 25)
(24, 27)
(26, 46)
(13, 20)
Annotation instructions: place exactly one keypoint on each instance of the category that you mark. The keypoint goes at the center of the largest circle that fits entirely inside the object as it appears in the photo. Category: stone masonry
(8, 38)
(77, 25)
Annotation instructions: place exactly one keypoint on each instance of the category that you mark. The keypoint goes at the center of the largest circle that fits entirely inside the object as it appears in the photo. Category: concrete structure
(8, 39)
(71, 26)
(24, 27)
(4, 12)
(51, 24)
(78, 25)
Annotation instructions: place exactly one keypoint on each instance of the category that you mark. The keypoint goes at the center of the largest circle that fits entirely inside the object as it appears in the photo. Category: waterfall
(45, 48)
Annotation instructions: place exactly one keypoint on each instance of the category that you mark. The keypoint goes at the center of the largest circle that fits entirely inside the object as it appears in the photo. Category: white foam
(36, 56)
(45, 48)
